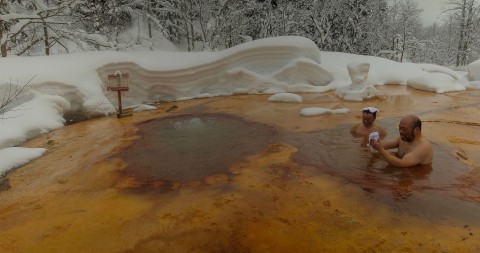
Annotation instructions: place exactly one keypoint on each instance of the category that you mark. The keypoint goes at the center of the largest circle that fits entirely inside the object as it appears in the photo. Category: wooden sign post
(118, 82)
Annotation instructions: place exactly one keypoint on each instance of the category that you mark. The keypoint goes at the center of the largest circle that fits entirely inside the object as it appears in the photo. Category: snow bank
(435, 82)
(265, 66)
(16, 157)
(474, 71)
(432, 68)
(73, 85)
(40, 115)
(384, 71)
(473, 85)
(314, 111)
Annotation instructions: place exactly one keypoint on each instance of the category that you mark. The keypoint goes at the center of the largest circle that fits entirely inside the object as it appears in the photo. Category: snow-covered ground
(75, 84)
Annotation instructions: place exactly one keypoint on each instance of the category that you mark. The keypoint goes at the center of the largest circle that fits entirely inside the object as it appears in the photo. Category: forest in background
(385, 28)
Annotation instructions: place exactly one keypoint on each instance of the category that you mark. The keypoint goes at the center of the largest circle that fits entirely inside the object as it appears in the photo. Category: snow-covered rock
(359, 74)
(314, 111)
(286, 97)
(474, 71)
(435, 82)
(359, 89)
(142, 108)
(304, 71)
(432, 68)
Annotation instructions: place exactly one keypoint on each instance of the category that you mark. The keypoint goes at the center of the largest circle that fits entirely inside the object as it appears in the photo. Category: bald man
(413, 148)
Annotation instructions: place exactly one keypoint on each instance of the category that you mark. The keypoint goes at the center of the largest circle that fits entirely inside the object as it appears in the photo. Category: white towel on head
(373, 136)
(370, 109)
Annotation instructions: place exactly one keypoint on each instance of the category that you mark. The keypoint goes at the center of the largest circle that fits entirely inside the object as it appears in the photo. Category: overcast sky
(432, 10)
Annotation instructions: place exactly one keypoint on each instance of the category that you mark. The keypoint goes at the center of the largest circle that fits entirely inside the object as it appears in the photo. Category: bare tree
(465, 14)
(410, 23)
(36, 22)
(10, 94)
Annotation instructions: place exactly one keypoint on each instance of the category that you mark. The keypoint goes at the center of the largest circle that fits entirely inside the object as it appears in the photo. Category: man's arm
(387, 144)
(411, 159)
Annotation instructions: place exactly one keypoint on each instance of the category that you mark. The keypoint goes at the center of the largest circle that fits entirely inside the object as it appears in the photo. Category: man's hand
(376, 144)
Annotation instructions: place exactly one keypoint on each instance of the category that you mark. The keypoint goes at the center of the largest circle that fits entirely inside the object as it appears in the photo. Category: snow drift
(73, 86)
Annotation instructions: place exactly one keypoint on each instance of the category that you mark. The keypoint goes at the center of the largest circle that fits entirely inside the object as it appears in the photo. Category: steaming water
(190, 147)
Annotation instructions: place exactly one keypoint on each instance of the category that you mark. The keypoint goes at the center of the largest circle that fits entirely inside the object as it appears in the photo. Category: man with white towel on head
(368, 125)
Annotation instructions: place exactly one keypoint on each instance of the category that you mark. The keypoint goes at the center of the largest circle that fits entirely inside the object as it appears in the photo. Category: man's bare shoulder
(424, 150)
(355, 128)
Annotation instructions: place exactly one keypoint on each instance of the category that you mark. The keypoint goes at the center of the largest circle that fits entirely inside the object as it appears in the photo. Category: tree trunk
(186, 18)
(188, 35)
(405, 33)
(149, 22)
(462, 34)
(468, 33)
(192, 32)
(3, 47)
(47, 42)
(117, 28)
(203, 29)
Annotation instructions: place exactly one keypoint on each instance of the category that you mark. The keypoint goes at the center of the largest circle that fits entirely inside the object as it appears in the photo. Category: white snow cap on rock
(359, 89)
(358, 72)
(435, 82)
(141, 108)
(286, 97)
(314, 111)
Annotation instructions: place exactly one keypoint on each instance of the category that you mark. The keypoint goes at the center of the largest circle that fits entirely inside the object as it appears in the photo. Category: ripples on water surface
(190, 147)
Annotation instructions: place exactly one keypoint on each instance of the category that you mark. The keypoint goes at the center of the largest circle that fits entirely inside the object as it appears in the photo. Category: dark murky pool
(189, 148)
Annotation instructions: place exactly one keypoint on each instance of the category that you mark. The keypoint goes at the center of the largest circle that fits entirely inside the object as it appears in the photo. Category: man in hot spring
(368, 125)
(413, 148)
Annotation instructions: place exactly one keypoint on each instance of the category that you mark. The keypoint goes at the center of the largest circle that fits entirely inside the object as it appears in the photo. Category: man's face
(367, 119)
(406, 131)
